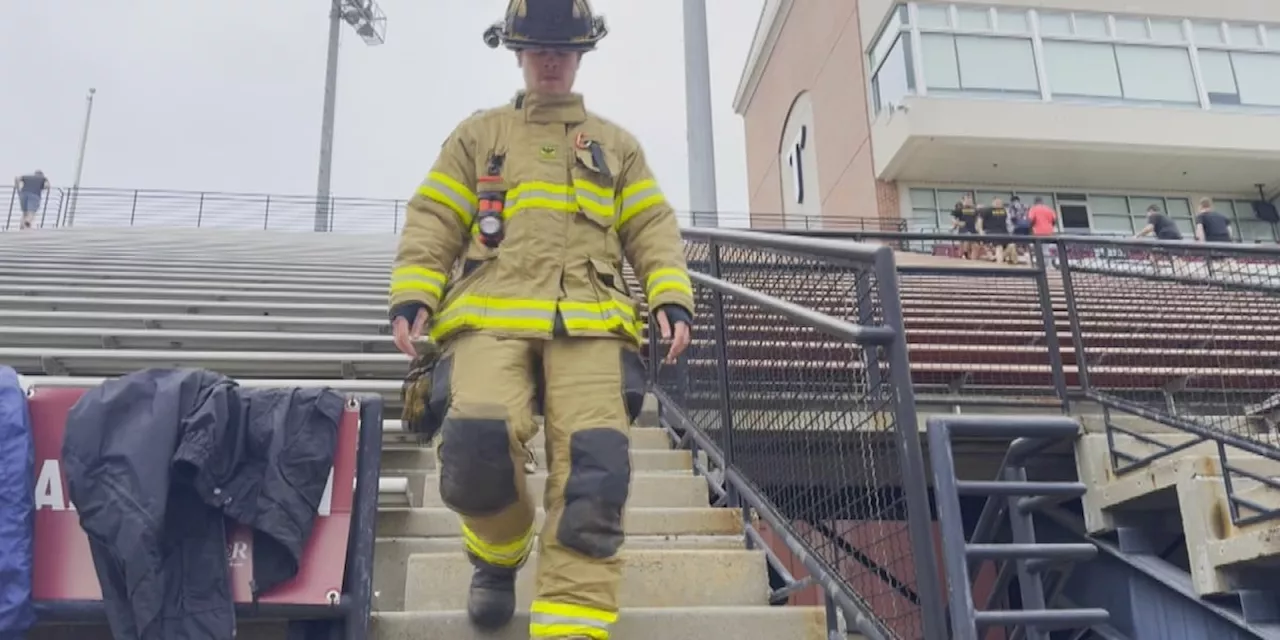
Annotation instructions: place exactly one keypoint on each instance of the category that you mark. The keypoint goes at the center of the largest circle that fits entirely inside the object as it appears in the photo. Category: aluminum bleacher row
(295, 309)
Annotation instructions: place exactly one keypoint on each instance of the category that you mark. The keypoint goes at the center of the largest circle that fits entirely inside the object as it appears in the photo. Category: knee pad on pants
(477, 474)
(596, 492)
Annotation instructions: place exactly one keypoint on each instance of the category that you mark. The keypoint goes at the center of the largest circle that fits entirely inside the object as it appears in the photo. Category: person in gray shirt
(30, 189)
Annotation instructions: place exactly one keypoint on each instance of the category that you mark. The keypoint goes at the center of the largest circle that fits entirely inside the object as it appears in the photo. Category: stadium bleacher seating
(292, 309)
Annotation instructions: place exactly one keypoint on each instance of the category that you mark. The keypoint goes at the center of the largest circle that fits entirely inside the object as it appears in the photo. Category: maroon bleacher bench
(333, 588)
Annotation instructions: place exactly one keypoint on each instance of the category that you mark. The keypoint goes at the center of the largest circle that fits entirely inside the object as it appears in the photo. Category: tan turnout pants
(593, 389)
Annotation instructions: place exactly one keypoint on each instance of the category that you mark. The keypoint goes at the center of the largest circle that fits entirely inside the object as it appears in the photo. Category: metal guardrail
(98, 207)
(724, 397)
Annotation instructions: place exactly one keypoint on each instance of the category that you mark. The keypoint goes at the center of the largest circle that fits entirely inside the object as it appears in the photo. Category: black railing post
(44, 208)
(266, 214)
(333, 212)
(9, 219)
(200, 211)
(910, 454)
(1050, 324)
(395, 216)
(133, 208)
(1073, 316)
(721, 341)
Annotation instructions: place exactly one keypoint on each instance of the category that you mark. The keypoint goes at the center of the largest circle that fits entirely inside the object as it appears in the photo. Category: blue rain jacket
(17, 508)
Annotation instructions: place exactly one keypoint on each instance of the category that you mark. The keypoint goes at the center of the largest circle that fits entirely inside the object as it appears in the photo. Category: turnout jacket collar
(541, 108)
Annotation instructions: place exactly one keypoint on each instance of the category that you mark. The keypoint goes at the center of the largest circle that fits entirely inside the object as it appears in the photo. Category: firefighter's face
(549, 70)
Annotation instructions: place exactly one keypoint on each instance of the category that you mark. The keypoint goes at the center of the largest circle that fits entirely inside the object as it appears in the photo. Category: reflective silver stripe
(606, 203)
(550, 619)
(448, 192)
(635, 198)
(530, 194)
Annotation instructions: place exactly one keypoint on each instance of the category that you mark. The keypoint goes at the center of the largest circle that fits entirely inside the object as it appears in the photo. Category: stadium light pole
(370, 23)
(701, 138)
(84, 143)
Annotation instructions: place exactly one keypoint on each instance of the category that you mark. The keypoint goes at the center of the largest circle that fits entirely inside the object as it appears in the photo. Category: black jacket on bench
(158, 459)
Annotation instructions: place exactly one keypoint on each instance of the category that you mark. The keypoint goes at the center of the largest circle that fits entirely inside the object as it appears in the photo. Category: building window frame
(1116, 30)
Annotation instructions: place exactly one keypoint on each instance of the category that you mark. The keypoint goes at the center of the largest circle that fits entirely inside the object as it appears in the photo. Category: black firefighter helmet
(568, 25)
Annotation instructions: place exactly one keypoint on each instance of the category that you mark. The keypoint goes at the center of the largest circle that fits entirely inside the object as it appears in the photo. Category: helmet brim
(559, 45)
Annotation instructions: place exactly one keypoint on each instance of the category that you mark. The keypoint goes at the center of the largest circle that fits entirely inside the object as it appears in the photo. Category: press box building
(881, 109)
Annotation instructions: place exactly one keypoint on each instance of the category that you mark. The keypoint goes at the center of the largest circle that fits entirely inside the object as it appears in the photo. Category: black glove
(676, 314)
(407, 310)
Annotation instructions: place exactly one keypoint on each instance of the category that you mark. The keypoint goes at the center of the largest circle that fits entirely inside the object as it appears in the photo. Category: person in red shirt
(1044, 222)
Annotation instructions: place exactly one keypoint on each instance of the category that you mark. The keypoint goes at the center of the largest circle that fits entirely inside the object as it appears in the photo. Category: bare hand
(679, 340)
(404, 335)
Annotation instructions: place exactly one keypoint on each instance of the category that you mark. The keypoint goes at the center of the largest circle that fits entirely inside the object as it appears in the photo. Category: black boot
(492, 600)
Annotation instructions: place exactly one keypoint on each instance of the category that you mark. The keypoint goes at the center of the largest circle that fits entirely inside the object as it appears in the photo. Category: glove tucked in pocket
(425, 392)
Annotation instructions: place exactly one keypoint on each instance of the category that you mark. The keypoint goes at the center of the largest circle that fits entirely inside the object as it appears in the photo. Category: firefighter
(511, 261)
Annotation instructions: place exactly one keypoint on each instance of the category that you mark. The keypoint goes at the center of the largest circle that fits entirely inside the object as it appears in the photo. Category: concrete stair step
(391, 557)
(675, 623)
(439, 522)
(647, 490)
(424, 459)
(650, 578)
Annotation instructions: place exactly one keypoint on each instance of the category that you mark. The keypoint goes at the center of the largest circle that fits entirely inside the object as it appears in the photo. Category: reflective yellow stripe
(411, 278)
(510, 554)
(479, 312)
(539, 195)
(594, 199)
(668, 280)
(450, 193)
(558, 620)
(638, 197)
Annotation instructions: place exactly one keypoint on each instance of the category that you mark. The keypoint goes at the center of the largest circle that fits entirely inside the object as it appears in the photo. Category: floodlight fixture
(370, 23)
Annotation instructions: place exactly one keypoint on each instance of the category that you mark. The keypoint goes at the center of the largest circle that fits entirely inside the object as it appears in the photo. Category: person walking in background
(30, 190)
(1212, 226)
(994, 221)
(1164, 228)
(1043, 221)
(965, 221)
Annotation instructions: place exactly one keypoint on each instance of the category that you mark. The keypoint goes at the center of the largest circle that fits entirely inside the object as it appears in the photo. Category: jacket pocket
(595, 186)
(618, 307)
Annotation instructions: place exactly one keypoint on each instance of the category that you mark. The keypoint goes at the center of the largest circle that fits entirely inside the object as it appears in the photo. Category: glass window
(974, 18)
(941, 69)
(1178, 207)
(923, 199)
(888, 37)
(1256, 230)
(934, 16)
(1167, 30)
(893, 80)
(1256, 75)
(947, 200)
(1131, 28)
(1113, 225)
(1219, 77)
(1082, 69)
(1055, 24)
(1185, 227)
(1013, 20)
(1156, 73)
(1138, 205)
(1029, 199)
(1109, 205)
(1273, 37)
(997, 64)
(1091, 25)
(1207, 32)
(1244, 35)
(985, 197)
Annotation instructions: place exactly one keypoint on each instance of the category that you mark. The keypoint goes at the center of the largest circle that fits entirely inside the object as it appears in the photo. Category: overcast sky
(225, 95)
